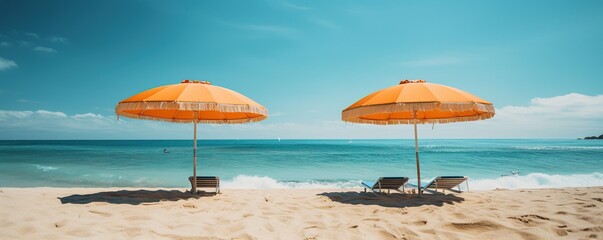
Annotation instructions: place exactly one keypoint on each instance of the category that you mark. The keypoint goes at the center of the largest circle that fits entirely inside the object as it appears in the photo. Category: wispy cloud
(573, 106)
(59, 40)
(6, 64)
(32, 35)
(25, 101)
(44, 49)
(44, 124)
(266, 29)
(49, 114)
(567, 116)
(324, 23)
(5, 44)
(295, 6)
(434, 61)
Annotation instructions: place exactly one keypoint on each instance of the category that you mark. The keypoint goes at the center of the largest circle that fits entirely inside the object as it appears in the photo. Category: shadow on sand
(392, 200)
(135, 197)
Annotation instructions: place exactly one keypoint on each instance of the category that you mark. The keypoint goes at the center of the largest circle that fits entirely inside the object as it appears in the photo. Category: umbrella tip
(196, 81)
(405, 81)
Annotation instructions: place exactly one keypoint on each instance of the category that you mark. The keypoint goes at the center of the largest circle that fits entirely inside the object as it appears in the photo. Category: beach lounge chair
(206, 182)
(389, 183)
(447, 183)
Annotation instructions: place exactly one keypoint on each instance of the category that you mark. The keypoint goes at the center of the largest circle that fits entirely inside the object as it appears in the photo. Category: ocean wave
(558, 148)
(532, 180)
(45, 168)
(256, 182)
(537, 180)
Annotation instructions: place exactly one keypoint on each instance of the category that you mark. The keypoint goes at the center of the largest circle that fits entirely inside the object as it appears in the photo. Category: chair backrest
(447, 182)
(391, 182)
(206, 181)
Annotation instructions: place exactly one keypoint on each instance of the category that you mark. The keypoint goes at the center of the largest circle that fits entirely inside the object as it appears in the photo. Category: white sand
(111, 213)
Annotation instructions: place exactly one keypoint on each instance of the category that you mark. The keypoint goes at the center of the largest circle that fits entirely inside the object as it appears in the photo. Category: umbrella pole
(417, 154)
(195, 155)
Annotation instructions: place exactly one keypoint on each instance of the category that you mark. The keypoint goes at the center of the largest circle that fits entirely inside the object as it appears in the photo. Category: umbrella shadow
(392, 200)
(132, 197)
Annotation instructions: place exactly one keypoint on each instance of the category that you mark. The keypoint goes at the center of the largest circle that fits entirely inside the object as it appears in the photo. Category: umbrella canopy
(180, 102)
(413, 102)
(192, 102)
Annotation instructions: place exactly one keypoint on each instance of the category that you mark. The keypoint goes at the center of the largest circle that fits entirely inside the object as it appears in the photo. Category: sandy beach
(127, 213)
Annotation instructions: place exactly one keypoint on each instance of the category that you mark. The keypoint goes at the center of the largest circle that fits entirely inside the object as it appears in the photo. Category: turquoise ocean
(263, 164)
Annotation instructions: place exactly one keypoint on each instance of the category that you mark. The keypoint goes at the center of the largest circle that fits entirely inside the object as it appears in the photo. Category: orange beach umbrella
(413, 102)
(192, 101)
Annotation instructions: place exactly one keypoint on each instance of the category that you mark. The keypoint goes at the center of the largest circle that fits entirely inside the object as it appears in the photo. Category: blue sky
(65, 64)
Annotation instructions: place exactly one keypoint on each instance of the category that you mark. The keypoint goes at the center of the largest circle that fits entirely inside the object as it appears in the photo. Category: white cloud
(435, 61)
(88, 115)
(33, 35)
(49, 114)
(570, 107)
(8, 115)
(44, 49)
(59, 40)
(44, 124)
(6, 64)
(567, 116)
(5, 44)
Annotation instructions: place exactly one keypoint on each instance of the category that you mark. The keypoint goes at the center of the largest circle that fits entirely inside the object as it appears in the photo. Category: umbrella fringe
(484, 111)
(188, 106)
(203, 121)
(420, 121)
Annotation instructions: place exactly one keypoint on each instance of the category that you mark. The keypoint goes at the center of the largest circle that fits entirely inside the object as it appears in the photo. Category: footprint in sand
(60, 223)
(104, 214)
(561, 232)
(387, 235)
(529, 219)
(313, 225)
(592, 229)
(420, 223)
(372, 219)
(189, 205)
(482, 226)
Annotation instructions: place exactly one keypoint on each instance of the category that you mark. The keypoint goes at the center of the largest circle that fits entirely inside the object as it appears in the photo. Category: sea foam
(538, 180)
(532, 180)
(256, 182)
(45, 168)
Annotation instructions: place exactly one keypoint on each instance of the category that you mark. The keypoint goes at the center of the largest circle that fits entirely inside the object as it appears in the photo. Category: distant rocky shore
(593, 137)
